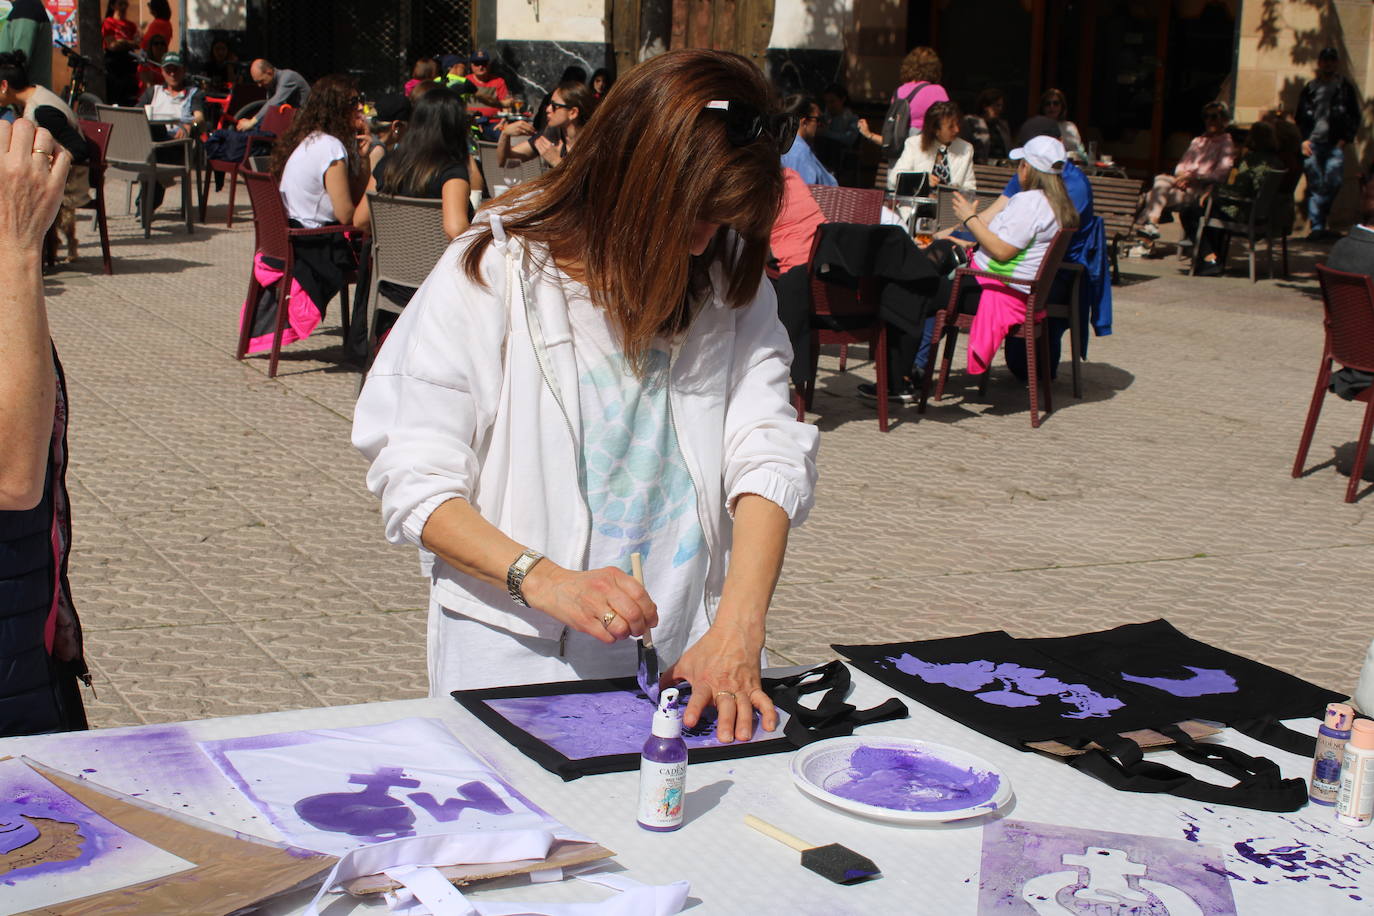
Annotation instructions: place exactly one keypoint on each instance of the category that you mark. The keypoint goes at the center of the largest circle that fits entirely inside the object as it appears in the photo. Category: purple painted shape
(1075, 870)
(371, 813)
(1021, 686)
(15, 831)
(1190, 833)
(905, 779)
(1202, 682)
(583, 725)
(473, 795)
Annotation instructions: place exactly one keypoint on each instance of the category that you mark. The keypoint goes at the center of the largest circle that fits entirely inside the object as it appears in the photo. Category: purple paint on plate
(582, 725)
(905, 779)
(1030, 868)
(1202, 682)
(1020, 686)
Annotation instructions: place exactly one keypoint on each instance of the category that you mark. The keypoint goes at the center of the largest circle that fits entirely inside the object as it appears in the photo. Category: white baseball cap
(1045, 154)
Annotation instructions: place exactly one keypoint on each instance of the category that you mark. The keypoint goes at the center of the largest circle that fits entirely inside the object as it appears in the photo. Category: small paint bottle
(1326, 764)
(1355, 806)
(663, 768)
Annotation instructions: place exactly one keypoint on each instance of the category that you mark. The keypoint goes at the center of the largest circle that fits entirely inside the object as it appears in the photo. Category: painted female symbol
(371, 813)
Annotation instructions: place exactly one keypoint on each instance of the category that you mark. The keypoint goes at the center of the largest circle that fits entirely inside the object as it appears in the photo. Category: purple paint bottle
(1326, 765)
(663, 768)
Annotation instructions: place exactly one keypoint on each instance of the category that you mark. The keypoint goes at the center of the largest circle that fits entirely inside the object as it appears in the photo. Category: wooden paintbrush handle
(768, 829)
(637, 569)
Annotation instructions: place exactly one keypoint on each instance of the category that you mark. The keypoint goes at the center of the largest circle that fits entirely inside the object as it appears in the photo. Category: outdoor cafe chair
(949, 321)
(1348, 303)
(272, 238)
(408, 239)
(275, 122)
(98, 139)
(132, 154)
(840, 315)
(1261, 224)
(505, 177)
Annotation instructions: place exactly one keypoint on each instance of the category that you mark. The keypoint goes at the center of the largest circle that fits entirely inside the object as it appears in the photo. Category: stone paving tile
(229, 559)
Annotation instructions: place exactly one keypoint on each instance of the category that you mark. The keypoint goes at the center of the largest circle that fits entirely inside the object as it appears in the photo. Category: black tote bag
(1085, 691)
(582, 728)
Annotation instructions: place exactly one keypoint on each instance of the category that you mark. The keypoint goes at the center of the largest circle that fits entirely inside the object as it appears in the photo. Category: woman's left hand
(723, 669)
(964, 208)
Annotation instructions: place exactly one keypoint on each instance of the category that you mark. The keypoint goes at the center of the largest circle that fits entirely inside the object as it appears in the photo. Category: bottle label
(661, 790)
(1326, 774)
(1356, 802)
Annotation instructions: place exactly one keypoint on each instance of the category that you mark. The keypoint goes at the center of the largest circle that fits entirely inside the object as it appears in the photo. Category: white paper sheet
(53, 848)
(337, 790)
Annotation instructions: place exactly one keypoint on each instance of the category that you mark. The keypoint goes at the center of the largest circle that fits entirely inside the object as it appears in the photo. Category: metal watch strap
(515, 576)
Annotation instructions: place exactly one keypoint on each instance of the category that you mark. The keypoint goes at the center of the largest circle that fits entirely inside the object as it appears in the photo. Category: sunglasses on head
(744, 124)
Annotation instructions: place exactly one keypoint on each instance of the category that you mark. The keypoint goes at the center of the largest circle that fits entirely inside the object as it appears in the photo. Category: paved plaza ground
(229, 560)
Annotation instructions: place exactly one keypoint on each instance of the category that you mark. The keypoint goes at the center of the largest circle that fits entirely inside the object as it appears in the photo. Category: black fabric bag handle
(832, 717)
(1259, 785)
(1274, 733)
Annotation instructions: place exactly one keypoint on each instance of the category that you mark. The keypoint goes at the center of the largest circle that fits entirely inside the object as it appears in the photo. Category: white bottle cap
(668, 718)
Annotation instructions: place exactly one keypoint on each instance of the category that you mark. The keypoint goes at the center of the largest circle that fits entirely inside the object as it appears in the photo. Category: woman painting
(322, 174)
(120, 39)
(937, 151)
(585, 377)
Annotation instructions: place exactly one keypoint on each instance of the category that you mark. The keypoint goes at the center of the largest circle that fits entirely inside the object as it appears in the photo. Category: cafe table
(1281, 864)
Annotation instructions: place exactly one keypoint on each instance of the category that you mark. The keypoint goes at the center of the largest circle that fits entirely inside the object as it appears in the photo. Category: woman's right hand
(33, 172)
(517, 128)
(581, 600)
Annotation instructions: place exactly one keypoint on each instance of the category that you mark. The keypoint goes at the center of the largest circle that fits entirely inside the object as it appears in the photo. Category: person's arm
(455, 197)
(339, 186)
(991, 244)
(512, 145)
(547, 149)
(476, 180)
(279, 97)
(28, 386)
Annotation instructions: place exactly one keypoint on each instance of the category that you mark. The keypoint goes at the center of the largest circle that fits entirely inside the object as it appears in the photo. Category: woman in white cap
(1011, 237)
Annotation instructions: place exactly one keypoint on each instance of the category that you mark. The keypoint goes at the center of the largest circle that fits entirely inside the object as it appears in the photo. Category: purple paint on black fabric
(904, 779)
(583, 725)
(1202, 682)
(1019, 686)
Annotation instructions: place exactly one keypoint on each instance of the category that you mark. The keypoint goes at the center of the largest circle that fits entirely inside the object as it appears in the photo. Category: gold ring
(725, 693)
(607, 618)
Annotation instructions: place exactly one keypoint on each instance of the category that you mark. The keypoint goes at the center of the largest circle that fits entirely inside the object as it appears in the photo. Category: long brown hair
(622, 205)
(1055, 192)
(330, 109)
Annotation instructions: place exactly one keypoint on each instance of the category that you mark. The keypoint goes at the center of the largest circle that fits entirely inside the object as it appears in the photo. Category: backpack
(897, 124)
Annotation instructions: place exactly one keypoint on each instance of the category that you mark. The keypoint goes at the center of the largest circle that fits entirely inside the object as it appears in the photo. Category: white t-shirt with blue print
(634, 479)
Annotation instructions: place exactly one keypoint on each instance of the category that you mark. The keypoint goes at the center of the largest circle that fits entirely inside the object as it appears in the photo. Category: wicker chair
(408, 239)
(272, 238)
(132, 154)
(1348, 300)
(275, 123)
(98, 138)
(839, 315)
(496, 174)
(949, 321)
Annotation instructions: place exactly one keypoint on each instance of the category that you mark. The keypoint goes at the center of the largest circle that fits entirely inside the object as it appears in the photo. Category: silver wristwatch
(515, 576)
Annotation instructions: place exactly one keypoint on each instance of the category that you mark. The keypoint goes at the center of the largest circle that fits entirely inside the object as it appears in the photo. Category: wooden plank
(723, 36)
(699, 19)
(624, 33)
(679, 33)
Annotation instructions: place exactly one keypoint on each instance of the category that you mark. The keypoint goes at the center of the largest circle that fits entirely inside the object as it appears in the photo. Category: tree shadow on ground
(837, 402)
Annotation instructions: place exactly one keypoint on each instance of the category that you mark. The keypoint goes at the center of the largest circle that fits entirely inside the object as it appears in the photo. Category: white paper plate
(900, 779)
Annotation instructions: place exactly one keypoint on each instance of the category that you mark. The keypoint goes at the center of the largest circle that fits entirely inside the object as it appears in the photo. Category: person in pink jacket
(1207, 162)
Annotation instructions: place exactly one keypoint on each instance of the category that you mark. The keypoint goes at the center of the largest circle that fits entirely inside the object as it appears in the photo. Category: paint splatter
(1020, 686)
(1202, 682)
(904, 779)
(1190, 833)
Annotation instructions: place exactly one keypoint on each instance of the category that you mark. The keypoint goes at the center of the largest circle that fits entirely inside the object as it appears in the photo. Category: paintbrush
(647, 672)
(838, 863)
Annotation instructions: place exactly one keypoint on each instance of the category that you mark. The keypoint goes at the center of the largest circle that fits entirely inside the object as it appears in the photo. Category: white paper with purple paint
(1031, 869)
(75, 851)
(339, 789)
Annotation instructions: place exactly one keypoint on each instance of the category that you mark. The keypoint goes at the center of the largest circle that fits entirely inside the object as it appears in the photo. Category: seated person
(987, 130)
(1055, 105)
(799, 157)
(1013, 243)
(41, 106)
(1207, 162)
(321, 168)
(492, 95)
(180, 107)
(938, 151)
(389, 125)
(222, 68)
(1259, 157)
(453, 74)
(570, 108)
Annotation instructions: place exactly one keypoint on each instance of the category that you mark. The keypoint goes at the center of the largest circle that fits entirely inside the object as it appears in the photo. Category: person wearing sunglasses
(1206, 164)
(569, 109)
(800, 158)
(594, 370)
